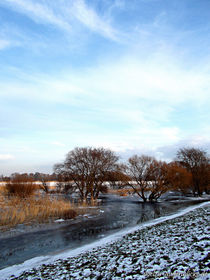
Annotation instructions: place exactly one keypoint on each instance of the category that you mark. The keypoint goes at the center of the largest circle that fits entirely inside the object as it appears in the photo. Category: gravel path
(174, 249)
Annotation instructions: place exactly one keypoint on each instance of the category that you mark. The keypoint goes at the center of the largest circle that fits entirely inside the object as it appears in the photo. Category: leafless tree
(118, 178)
(87, 168)
(147, 176)
(138, 171)
(197, 162)
(158, 184)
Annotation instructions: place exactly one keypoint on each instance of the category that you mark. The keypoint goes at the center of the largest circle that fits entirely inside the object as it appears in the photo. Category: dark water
(113, 214)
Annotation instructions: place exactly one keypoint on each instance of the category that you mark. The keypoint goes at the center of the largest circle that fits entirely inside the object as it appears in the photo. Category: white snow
(59, 220)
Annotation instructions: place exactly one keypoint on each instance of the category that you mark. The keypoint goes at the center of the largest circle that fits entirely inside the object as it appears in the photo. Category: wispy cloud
(62, 14)
(131, 77)
(92, 20)
(138, 101)
(39, 12)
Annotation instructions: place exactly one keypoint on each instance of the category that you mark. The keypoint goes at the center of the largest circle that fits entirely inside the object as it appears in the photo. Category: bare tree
(87, 168)
(118, 178)
(197, 162)
(147, 176)
(158, 184)
(138, 170)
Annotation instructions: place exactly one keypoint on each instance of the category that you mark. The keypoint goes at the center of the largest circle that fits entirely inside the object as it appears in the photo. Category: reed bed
(15, 210)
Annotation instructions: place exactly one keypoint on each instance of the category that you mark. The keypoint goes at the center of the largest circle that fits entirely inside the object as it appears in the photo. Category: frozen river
(113, 214)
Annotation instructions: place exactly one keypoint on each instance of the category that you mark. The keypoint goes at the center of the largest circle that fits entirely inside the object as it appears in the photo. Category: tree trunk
(144, 199)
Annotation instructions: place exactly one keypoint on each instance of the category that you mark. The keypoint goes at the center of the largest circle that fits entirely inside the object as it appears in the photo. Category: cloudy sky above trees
(133, 76)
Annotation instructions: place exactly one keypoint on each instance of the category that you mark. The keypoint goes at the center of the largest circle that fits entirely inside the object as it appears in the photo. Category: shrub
(21, 190)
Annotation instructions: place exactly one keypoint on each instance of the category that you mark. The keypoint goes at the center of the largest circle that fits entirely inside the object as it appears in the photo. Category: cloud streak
(89, 18)
(38, 12)
(63, 14)
(128, 78)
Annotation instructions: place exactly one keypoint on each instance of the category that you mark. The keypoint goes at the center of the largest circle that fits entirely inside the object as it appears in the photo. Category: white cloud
(92, 20)
(134, 78)
(59, 144)
(62, 14)
(169, 150)
(127, 79)
(39, 12)
(6, 157)
(133, 95)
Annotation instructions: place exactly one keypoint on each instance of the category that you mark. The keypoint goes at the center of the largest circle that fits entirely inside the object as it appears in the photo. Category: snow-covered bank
(169, 244)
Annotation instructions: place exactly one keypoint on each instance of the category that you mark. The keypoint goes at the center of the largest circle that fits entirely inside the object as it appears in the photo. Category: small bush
(21, 190)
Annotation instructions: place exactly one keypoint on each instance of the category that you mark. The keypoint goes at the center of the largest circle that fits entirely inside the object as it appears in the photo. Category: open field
(176, 248)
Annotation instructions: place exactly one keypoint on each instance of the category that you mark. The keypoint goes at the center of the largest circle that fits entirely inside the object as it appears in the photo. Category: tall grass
(16, 210)
(21, 189)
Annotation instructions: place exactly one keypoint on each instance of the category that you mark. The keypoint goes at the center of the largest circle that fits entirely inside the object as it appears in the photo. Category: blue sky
(133, 76)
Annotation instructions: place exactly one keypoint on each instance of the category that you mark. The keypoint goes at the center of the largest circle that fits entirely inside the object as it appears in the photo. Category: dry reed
(21, 189)
(15, 210)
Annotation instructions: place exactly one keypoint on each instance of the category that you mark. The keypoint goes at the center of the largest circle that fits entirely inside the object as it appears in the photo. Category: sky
(129, 75)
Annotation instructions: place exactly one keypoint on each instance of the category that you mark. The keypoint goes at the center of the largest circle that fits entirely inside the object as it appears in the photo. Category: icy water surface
(113, 214)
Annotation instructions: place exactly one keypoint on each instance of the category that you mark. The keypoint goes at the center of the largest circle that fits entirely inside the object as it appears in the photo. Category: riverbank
(174, 247)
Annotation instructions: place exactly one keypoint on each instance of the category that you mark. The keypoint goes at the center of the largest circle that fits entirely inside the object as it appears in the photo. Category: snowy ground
(175, 247)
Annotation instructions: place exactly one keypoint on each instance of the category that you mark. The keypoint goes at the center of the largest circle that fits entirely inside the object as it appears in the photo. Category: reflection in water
(113, 214)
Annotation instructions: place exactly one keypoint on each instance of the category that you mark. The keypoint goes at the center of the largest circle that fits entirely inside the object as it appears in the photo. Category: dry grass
(21, 189)
(15, 210)
(2, 189)
(25, 206)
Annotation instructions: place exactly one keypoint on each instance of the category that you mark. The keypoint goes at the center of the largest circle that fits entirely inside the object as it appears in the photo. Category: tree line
(29, 177)
(89, 171)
